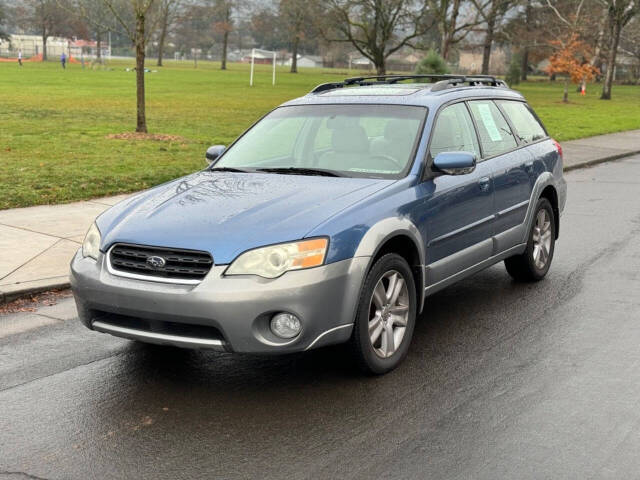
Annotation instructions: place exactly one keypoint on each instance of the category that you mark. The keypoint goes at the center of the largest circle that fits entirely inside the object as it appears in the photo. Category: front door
(458, 210)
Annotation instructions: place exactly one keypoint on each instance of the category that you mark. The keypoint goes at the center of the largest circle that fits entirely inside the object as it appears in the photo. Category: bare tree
(454, 22)
(99, 18)
(492, 12)
(3, 34)
(630, 44)
(522, 30)
(528, 14)
(297, 17)
(619, 14)
(223, 11)
(376, 28)
(168, 12)
(572, 21)
(194, 27)
(262, 31)
(138, 30)
(597, 60)
(48, 18)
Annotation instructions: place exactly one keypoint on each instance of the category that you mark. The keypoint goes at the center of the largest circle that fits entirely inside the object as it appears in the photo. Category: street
(503, 380)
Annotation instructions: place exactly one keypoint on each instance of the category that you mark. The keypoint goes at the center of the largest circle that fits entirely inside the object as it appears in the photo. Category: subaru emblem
(156, 262)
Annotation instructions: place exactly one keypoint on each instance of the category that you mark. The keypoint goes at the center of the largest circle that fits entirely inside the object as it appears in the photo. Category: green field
(54, 123)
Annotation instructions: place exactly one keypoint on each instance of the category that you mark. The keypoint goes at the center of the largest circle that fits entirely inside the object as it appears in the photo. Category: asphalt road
(503, 380)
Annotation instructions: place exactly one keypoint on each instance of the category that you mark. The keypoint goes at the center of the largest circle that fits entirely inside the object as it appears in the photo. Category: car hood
(226, 213)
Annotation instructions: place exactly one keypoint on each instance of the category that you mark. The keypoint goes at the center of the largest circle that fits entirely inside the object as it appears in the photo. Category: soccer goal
(262, 56)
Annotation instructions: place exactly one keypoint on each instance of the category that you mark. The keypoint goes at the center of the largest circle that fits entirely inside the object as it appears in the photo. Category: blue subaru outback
(331, 220)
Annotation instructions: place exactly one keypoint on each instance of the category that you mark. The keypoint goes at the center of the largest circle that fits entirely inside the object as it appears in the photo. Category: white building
(312, 61)
(359, 62)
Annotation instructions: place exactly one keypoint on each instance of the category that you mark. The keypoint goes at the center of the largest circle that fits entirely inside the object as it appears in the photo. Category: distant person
(20, 57)
(63, 60)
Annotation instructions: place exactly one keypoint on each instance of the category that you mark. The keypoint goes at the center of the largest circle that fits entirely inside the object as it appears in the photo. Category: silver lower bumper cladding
(159, 338)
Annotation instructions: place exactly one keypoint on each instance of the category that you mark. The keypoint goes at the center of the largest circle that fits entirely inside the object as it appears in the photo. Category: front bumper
(238, 307)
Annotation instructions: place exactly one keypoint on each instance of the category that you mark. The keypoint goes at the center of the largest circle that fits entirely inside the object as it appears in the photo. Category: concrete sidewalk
(602, 148)
(37, 243)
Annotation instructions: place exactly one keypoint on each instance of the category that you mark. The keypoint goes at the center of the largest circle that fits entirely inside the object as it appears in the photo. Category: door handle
(484, 184)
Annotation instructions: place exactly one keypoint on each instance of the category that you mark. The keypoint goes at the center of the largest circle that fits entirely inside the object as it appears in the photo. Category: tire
(534, 263)
(393, 310)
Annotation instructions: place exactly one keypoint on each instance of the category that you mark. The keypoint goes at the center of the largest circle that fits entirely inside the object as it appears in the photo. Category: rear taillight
(558, 147)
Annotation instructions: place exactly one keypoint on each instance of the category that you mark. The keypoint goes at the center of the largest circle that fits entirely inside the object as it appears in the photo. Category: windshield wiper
(301, 171)
(230, 169)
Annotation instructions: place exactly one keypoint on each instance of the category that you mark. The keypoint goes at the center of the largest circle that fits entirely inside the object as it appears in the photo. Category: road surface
(503, 380)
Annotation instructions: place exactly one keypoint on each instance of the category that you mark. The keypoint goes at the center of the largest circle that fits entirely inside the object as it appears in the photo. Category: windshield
(351, 140)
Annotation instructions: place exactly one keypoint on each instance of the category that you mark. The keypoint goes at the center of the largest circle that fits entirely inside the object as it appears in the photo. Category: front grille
(178, 264)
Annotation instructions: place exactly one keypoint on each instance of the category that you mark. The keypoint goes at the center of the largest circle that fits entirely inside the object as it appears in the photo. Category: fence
(31, 46)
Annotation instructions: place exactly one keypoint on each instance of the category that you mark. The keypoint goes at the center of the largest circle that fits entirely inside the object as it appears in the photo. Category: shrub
(515, 72)
(432, 63)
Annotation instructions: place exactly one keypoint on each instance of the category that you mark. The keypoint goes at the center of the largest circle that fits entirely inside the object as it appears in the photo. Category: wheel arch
(401, 236)
(550, 193)
(544, 187)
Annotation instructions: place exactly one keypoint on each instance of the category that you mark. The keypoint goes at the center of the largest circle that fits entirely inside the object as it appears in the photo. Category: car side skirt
(431, 289)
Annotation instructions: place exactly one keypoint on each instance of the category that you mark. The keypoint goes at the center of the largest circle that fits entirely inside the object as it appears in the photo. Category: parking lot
(503, 380)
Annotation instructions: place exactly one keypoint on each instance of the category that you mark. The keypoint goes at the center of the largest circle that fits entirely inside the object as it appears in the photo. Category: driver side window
(454, 132)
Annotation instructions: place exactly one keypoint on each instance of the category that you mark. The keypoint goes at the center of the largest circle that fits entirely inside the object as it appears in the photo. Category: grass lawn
(54, 124)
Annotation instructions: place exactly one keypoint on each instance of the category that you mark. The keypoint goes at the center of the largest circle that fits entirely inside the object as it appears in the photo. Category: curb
(28, 291)
(596, 161)
(9, 297)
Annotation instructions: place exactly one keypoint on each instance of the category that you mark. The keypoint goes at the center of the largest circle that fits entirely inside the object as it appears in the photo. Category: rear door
(509, 165)
(458, 224)
(530, 133)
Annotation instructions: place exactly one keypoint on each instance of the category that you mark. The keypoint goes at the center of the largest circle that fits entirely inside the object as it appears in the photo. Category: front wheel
(386, 316)
(534, 263)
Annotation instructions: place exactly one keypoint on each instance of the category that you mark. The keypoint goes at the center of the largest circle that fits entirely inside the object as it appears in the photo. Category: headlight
(91, 244)
(273, 261)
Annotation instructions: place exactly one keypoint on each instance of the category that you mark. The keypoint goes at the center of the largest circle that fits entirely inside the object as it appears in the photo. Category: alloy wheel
(388, 313)
(542, 239)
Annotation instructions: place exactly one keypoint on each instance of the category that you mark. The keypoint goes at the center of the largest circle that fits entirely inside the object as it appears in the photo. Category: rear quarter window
(527, 126)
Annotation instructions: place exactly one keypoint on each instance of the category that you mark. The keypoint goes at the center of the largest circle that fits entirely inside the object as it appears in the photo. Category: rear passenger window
(454, 132)
(495, 135)
(525, 123)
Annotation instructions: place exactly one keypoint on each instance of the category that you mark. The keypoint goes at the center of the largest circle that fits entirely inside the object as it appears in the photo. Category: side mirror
(455, 163)
(214, 152)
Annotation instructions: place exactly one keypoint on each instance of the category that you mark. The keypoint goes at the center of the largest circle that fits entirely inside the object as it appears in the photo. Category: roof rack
(442, 82)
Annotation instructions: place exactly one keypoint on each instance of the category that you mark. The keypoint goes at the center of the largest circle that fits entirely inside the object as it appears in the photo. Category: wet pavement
(503, 380)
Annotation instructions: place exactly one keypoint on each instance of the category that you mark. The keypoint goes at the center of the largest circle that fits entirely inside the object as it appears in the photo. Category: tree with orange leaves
(571, 59)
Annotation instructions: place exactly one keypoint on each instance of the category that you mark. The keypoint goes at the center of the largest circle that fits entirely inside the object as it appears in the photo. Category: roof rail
(471, 80)
(442, 82)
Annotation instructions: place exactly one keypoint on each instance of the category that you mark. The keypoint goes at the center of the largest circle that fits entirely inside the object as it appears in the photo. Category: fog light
(285, 325)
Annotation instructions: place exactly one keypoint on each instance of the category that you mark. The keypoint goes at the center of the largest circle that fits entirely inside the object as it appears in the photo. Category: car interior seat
(396, 143)
(349, 148)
